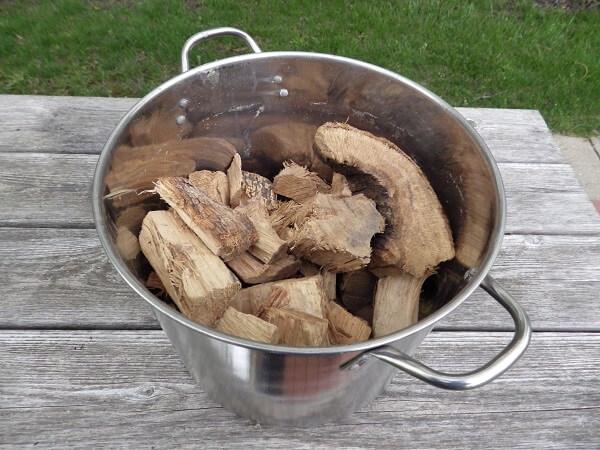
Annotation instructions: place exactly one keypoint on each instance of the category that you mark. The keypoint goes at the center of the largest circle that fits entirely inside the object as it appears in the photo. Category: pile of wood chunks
(299, 259)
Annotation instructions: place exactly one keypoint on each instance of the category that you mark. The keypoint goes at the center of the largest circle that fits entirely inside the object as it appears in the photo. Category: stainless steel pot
(235, 97)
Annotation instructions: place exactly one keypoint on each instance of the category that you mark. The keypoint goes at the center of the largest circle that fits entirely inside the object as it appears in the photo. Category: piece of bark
(296, 328)
(417, 236)
(127, 243)
(234, 176)
(257, 187)
(252, 271)
(213, 183)
(357, 289)
(344, 328)
(330, 284)
(227, 233)
(340, 185)
(159, 127)
(208, 153)
(337, 234)
(247, 326)
(197, 281)
(396, 303)
(306, 295)
(269, 246)
(298, 183)
(287, 214)
(287, 141)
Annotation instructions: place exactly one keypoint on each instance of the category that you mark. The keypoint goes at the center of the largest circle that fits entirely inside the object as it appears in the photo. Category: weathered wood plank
(83, 124)
(61, 278)
(60, 389)
(54, 190)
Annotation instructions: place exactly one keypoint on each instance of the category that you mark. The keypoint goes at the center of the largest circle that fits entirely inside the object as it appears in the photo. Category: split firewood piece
(252, 271)
(297, 183)
(207, 152)
(417, 237)
(247, 326)
(296, 328)
(344, 328)
(234, 176)
(396, 304)
(269, 246)
(213, 183)
(340, 185)
(159, 127)
(306, 295)
(127, 243)
(357, 289)
(227, 233)
(288, 214)
(257, 187)
(330, 284)
(197, 281)
(337, 234)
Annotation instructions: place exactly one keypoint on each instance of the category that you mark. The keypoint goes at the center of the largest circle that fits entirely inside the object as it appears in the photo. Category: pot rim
(475, 276)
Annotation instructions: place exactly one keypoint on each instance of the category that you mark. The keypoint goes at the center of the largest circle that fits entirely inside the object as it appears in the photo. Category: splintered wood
(308, 245)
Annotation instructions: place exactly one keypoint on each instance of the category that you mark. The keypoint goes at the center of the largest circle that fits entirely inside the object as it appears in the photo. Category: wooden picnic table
(83, 361)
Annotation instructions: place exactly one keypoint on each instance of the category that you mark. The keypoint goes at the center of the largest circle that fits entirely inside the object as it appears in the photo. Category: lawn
(505, 54)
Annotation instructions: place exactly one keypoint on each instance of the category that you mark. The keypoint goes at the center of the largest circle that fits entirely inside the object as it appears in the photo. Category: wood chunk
(252, 271)
(288, 214)
(127, 243)
(288, 141)
(213, 183)
(337, 234)
(417, 237)
(344, 328)
(296, 328)
(257, 187)
(197, 281)
(329, 283)
(269, 246)
(297, 183)
(207, 153)
(357, 289)
(161, 126)
(234, 176)
(396, 304)
(340, 185)
(247, 326)
(225, 232)
(306, 295)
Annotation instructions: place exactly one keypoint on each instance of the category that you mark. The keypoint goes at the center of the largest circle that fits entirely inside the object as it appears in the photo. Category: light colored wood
(357, 289)
(344, 328)
(127, 244)
(247, 326)
(298, 183)
(227, 233)
(305, 295)
(396, 303)
(252, 271)
(269, 247)
(330, 284)
(337, 234)
(151, 397)
(234, 176)
(339, 185)
(257, 187)
(287, 214)
(213, 183)
(296, 328)
(197, 281)
(417, 236)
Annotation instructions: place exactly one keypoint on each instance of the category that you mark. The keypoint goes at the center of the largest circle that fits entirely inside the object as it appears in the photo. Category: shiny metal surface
(236, 98)
(475, 378)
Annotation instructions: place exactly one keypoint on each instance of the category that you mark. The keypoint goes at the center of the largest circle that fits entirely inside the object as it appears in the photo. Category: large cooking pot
(238, 97)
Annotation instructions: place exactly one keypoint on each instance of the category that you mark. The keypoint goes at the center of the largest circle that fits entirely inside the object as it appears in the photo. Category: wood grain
(66, 273)
(60, 389)
(30, 124)
(54, 190)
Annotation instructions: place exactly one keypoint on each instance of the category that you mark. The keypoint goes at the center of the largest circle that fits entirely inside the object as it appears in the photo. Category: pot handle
(469, 380)
(224, 31)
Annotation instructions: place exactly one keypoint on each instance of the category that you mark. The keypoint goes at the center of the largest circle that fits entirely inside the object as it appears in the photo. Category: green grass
(506, 54)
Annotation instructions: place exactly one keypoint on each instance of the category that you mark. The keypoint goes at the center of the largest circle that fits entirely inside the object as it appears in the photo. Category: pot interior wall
(267, 107)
